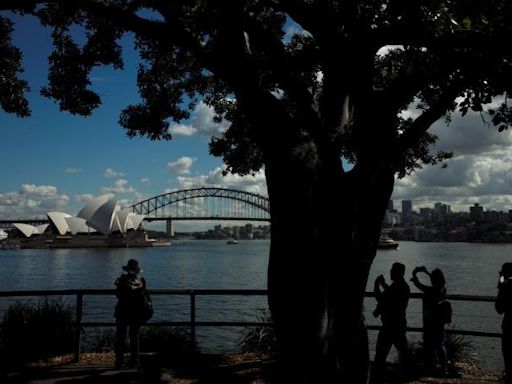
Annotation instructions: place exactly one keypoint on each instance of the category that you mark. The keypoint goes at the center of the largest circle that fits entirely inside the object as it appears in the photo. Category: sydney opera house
(100, 223)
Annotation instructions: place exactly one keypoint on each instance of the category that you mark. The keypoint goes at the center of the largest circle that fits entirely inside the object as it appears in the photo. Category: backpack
(134, 302)
(445, 311)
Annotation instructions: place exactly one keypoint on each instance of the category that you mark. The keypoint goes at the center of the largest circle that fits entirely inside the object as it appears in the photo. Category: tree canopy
(346, 60)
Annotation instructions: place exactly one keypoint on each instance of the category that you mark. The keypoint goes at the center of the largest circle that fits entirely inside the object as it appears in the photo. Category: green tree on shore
(335, 89)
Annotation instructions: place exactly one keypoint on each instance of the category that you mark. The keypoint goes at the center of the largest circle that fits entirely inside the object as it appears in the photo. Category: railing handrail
(193, 323)
(204, 292)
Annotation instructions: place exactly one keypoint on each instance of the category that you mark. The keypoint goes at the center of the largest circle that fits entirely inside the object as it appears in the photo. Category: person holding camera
(392, 303)
(434, 339)
(504, 306)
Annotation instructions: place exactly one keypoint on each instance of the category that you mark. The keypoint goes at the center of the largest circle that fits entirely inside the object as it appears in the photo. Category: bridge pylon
(169, 227)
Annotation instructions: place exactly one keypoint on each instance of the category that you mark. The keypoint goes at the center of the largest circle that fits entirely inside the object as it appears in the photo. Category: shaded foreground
(229, 369)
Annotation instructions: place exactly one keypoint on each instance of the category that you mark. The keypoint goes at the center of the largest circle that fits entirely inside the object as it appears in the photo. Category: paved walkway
(207, 370)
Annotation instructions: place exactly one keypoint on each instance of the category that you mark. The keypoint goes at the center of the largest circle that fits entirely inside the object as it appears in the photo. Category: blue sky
(64, 159)
(56, 161)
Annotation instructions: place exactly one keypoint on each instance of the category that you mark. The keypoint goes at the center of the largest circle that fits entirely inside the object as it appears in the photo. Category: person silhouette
(392, 303)
(129, 312)
(434, 338)
(503, 306)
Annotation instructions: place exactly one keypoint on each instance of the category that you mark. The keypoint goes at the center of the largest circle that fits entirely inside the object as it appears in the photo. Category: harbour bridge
(205, 203)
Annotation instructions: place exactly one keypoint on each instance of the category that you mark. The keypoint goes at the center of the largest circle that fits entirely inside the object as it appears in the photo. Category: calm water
(469, 269)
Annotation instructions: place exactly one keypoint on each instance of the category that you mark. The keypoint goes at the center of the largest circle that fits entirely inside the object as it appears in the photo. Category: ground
(98, 368)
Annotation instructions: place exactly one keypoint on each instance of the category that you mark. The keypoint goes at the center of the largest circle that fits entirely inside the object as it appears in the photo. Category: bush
(34, 331)
(458, 350)
(171, 344)
(102, 341)
(260, 339)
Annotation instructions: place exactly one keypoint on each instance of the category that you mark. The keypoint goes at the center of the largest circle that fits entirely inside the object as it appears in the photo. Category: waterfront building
(101, 222)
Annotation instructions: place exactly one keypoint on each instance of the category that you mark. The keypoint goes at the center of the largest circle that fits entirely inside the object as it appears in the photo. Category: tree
(298, 105)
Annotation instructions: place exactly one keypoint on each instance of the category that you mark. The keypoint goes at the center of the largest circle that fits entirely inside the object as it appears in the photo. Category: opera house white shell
(101, 214)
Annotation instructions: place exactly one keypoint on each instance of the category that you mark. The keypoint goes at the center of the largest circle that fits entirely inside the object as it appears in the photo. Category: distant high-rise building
(476, 212)
(406, 207)
(406, 211)
(390, 206)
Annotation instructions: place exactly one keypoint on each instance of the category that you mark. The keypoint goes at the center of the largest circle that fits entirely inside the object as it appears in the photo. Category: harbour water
(212, 264)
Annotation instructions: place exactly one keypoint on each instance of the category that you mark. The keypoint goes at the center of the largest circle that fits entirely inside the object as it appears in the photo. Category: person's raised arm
(416, 281)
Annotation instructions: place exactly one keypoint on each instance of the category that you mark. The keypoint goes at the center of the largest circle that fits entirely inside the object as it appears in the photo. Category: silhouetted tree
(297, 105)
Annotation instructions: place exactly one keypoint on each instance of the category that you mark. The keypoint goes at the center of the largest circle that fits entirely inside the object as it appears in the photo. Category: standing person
(129, 311)
(392, 303)
(504, 306)
(434, 339)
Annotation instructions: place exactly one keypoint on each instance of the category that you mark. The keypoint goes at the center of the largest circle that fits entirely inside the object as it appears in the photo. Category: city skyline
(55, 161)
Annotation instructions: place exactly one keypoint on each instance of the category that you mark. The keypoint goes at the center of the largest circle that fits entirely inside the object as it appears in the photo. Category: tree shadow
(199, 369)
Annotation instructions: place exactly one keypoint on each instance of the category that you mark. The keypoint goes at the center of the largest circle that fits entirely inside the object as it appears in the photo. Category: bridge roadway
(6, 224)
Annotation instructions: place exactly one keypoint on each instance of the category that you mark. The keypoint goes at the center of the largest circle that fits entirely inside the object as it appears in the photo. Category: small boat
(232, 241)
(386, 242)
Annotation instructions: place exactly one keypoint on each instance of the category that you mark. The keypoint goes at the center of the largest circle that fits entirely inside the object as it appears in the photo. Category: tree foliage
(316, 83)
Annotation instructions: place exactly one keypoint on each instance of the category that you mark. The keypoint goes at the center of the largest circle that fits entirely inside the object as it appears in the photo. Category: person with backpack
(436, 313)
(133, 309)
(503, 306)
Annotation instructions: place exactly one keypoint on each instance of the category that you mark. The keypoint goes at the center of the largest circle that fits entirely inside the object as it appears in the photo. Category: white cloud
(181, 166)
(201, 123)
(84, 198)
(120, 186)
(145, 180)
(182, 129)
(215, 178)
(38, 190)
(480, 172)
(111, 174)
(32, 201)
(73, 170)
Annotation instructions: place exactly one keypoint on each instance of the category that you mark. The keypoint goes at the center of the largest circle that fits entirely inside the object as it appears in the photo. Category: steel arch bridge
(205, 204)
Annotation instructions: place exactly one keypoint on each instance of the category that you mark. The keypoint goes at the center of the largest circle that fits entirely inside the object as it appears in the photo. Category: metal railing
(193, 323)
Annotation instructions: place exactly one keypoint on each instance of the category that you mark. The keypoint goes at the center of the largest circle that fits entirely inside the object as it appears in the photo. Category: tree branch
(420, 126)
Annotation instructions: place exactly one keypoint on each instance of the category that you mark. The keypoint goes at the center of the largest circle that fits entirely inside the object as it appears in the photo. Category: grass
(171, 344)
(35, 331)
(259, 339)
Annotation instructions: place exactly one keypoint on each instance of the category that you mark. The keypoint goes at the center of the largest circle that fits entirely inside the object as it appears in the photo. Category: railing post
(193, 319)
(79, 311)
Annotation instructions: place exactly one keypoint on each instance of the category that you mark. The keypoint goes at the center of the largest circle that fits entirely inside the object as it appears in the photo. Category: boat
(232, 241)
(386, 242)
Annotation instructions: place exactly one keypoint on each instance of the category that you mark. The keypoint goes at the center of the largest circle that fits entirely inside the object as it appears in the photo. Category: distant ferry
(232, 241)
(386, 242)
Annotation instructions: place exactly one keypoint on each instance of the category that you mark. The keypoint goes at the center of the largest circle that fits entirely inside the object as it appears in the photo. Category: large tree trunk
(325, 227)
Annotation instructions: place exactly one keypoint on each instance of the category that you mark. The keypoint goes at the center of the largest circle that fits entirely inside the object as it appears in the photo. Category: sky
(54, 161)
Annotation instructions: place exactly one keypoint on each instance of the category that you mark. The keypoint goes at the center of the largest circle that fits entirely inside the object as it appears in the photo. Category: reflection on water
(207, 264)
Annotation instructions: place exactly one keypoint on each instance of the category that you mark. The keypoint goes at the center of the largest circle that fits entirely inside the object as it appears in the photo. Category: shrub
(34, 331)
(458, 349)
(171, 344)
(260, 339)
(102, 341)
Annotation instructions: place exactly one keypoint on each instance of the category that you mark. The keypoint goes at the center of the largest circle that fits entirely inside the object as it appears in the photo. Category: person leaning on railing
(504, 306)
